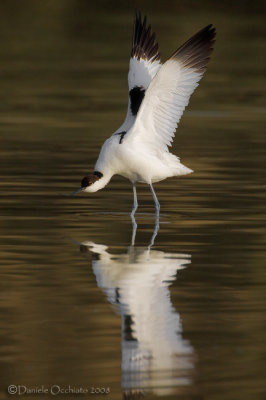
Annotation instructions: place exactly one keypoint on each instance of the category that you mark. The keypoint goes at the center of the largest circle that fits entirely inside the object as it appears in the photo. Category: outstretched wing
(170, 90)
(143, 66)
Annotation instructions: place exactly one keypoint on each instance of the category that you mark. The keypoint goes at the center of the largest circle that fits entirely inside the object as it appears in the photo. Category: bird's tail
(177, 168)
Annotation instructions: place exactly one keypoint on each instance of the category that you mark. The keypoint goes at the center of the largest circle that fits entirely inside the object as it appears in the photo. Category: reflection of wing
(170, 90)
(153, 349)
(144, 64)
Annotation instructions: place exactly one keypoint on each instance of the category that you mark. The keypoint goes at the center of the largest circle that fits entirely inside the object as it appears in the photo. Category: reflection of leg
(156, 229)
(134, 229)
(135, 204)
(156, 202)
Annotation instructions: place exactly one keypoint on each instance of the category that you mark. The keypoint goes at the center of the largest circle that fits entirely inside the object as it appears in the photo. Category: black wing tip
(144, 43)
(195, 52)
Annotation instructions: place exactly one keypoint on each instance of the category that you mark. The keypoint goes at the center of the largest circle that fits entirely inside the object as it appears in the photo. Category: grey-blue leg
(134, 208)
(155, 232)
(157, 208)
(134, 230)
(135, 204)
(156, 202)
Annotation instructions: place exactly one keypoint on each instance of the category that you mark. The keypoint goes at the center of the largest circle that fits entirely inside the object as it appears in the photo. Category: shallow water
(79, 305)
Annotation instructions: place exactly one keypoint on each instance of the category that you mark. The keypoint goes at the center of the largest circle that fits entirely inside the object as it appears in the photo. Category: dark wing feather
(195, 52)
(144, 43)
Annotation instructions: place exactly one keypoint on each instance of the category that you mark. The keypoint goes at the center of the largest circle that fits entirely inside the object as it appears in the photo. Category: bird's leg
(157, 217)
(135, 204)
(134, 208)
(156, 202)
(134, 229)
(155, 232)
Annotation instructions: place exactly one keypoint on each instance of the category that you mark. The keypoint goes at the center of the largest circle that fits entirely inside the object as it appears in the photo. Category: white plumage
(158, 95)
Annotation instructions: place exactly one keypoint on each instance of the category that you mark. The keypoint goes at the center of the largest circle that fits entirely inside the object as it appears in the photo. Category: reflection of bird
(154, 354)
(158, 95)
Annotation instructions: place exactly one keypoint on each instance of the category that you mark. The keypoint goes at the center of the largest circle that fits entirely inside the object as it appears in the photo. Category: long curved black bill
(75, 192)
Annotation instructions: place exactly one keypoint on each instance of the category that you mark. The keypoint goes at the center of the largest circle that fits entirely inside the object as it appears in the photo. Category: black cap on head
(85, 182)
(90, 179)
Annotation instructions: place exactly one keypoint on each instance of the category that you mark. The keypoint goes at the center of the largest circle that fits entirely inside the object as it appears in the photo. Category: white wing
(143, 66)
(170, 90)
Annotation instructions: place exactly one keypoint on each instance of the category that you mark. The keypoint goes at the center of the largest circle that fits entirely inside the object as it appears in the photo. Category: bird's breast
(133, 161)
